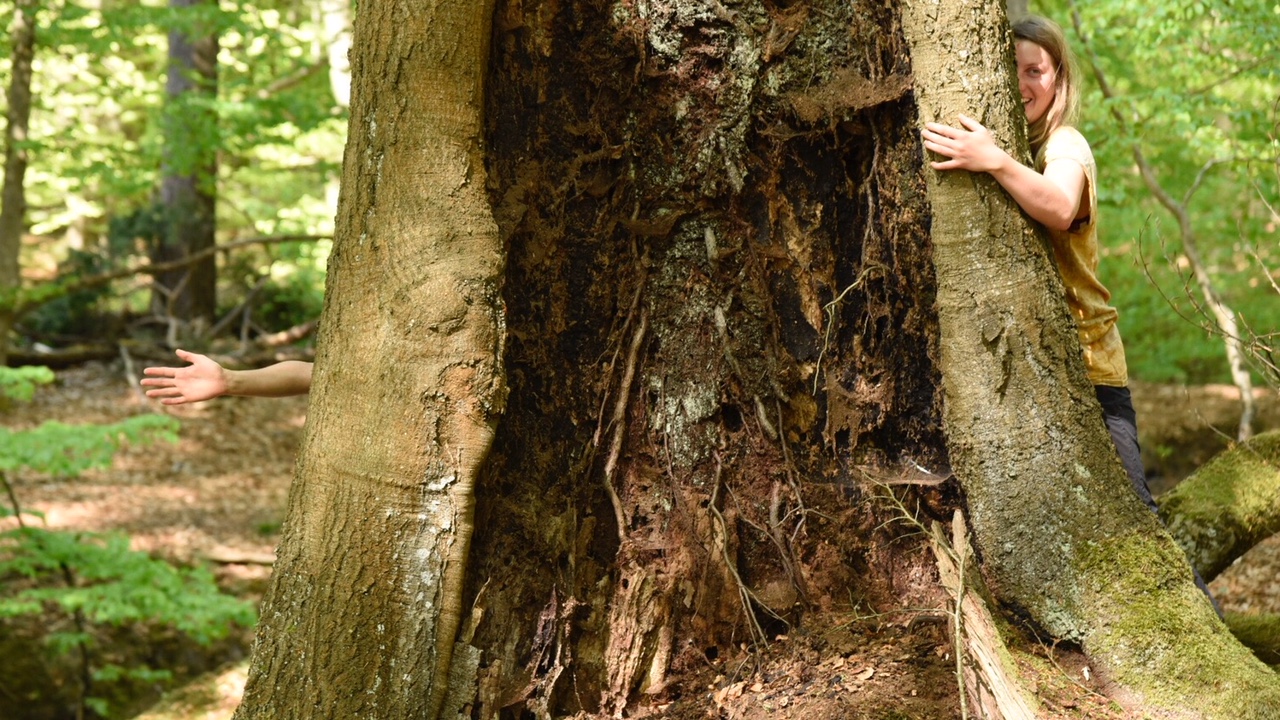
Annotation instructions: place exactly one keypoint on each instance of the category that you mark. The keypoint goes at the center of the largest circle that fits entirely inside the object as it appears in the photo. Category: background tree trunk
(13, 201)
(1068, 542)
(363, 608)
(188, 191)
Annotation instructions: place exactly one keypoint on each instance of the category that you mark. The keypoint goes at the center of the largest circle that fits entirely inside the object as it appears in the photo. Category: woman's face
(1037, 73)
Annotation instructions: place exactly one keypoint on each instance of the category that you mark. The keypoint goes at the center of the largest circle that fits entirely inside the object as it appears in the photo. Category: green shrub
(93, 578)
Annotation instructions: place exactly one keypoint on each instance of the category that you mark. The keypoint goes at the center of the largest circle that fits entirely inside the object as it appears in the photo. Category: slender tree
(188, 193)
(13, 201)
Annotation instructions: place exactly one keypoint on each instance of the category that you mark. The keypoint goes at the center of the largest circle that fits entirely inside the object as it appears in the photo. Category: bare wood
(995, 687)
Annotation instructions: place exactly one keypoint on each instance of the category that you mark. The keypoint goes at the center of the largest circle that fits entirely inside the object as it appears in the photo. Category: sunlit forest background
(156, 197)
(1193, 86)
(104, 131)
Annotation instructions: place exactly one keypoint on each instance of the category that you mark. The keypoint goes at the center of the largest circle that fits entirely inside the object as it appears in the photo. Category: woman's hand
(203, 379)
(972, 148)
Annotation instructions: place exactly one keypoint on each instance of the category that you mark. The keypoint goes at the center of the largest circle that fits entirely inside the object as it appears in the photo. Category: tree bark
(188, 190)
(719, 322)
(13, 201)
(1061, 532)
(1227, 506)
(364, 605)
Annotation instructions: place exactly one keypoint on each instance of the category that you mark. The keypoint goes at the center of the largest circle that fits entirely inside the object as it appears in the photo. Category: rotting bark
(1061, 532)
(365, 601)
(708, 216)
(1227, 506)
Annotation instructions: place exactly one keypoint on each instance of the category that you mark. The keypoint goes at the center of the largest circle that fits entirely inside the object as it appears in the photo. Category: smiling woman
(1061, 193)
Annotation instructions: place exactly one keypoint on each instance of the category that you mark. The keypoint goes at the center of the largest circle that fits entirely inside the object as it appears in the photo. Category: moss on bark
(1227, 506)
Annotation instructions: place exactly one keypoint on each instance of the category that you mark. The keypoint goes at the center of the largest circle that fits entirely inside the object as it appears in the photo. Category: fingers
(971, 124)
(941, 131)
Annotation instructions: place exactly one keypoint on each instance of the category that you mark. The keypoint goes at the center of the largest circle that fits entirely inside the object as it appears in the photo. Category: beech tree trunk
(188, 190)
(1061, 532)
(13, 199)
(721, 327)
(360, 618)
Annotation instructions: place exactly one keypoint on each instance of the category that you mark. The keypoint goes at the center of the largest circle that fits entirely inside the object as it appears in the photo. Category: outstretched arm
(205, 379)
(1051, 199)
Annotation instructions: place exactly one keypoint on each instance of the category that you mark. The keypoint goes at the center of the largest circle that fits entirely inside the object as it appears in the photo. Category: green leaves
(115, 585)
(1196, 83)
(67, 450)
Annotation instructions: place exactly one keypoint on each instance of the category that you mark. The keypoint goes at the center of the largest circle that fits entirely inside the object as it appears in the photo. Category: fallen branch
(32, 298)
(1228, 505)
(990, 676)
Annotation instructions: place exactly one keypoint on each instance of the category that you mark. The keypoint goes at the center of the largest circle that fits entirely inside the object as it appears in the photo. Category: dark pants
(1122, 423)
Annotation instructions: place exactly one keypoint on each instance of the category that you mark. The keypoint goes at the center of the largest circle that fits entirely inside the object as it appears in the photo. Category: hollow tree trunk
(1061, 532)
(1227, 506)
(720, 321)
(720, 311)
(363, 608)
(13, 200)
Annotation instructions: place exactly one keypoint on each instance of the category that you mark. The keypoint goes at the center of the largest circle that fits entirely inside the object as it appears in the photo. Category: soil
(218, 496)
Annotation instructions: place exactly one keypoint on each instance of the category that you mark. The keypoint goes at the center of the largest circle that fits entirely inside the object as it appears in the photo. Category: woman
(1061, 193)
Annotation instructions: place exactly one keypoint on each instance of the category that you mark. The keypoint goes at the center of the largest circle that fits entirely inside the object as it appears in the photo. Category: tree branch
(29, 300)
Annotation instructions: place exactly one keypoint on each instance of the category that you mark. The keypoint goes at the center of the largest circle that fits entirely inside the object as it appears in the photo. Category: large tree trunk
(720, 314)
(363, 608)
(13, 200)
(188, 192)
(720, 324)
(1061, 532)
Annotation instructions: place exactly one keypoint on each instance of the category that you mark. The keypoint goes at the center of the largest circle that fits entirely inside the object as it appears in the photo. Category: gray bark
(1061, 532)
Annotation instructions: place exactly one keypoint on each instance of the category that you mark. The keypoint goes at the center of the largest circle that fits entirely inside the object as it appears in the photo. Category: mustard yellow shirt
(1076, 253)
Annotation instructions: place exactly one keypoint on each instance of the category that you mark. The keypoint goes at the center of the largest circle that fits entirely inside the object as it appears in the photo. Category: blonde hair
(1066, 96)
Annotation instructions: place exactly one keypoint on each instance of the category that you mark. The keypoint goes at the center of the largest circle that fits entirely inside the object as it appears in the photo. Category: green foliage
(66, 450)
(1196, 83)
(98, 137)
(114, 585)
(95, 578)
(75, 313)
(20, 383)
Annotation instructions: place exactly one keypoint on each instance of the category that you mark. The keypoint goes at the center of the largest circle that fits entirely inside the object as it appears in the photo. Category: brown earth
(218, 496)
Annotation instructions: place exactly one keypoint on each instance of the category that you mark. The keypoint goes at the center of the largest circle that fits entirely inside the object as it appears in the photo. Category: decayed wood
(992, 679)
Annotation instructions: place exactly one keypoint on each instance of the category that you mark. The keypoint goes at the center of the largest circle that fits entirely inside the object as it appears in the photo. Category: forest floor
(218, 496)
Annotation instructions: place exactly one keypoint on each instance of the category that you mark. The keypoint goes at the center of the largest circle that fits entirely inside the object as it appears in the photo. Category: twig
(619, 423)
(830, 309)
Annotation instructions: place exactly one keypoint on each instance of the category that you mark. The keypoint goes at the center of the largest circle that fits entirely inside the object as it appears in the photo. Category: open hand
(203, 379)
(970, 148)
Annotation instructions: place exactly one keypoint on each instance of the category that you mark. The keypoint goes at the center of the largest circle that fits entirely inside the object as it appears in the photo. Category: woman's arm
(205, 379)
(1051, 199)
